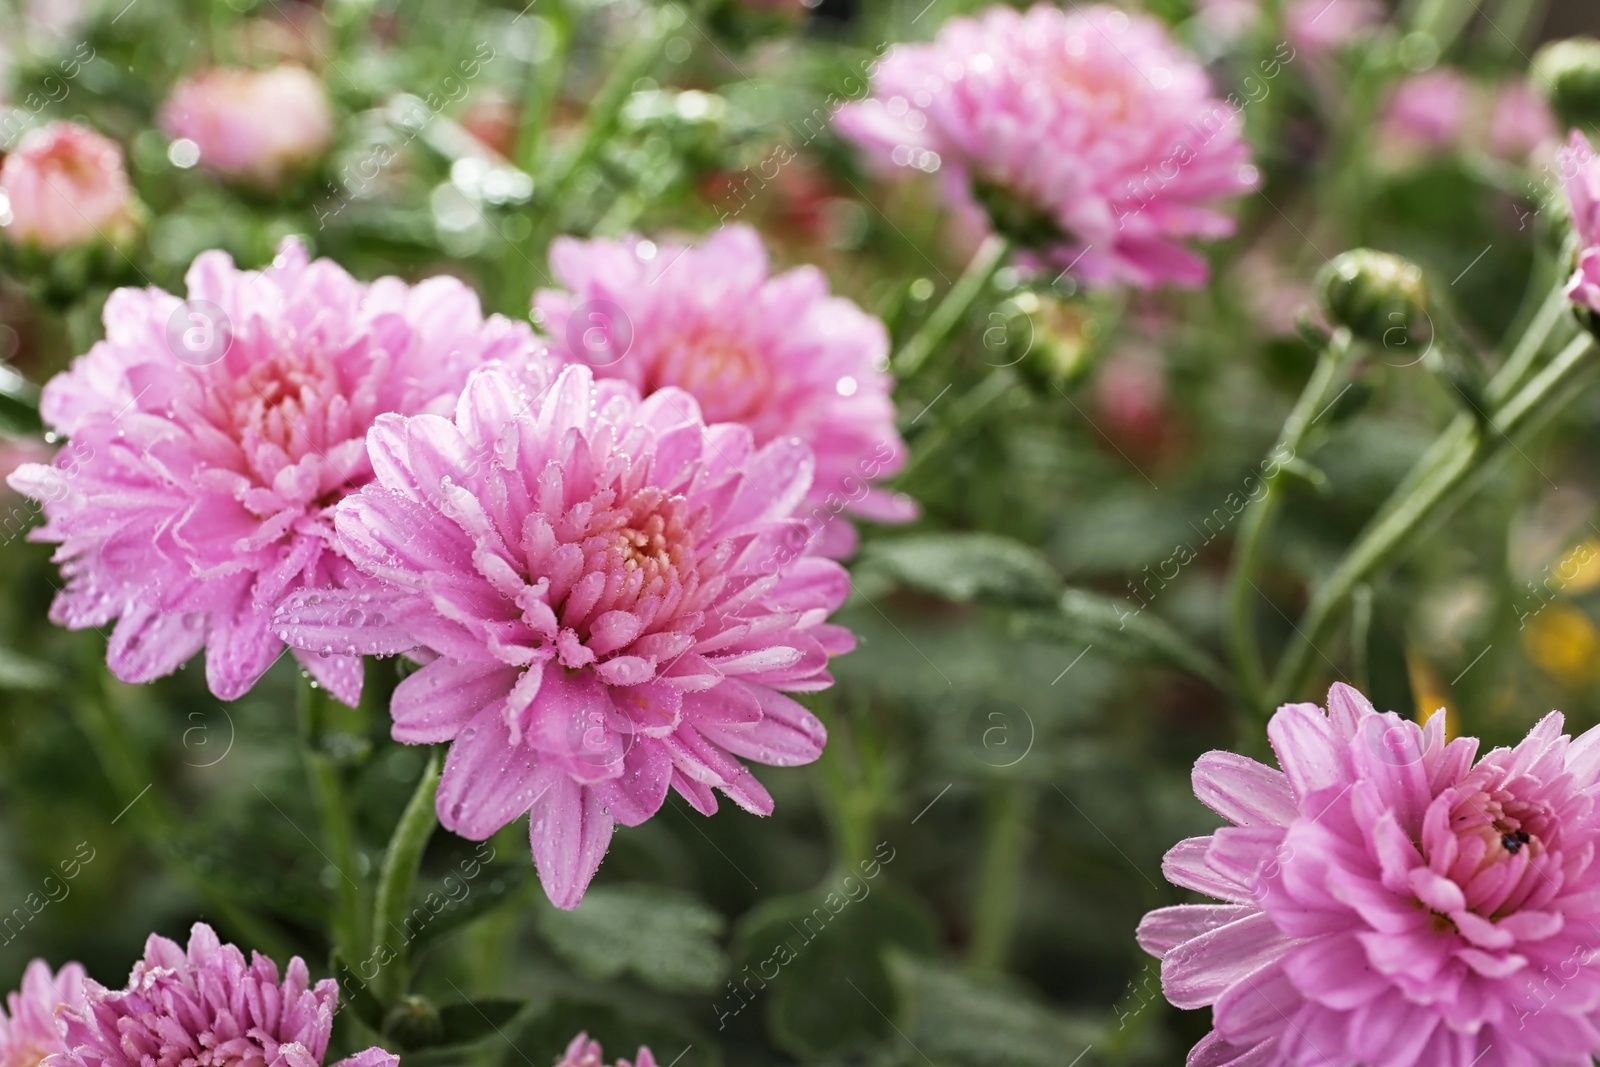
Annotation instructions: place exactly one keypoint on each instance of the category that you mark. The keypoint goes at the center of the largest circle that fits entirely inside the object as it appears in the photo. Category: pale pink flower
(1089, 137)
(1322, 27)
(207, 1006)
(254, 125)
(64, 185)
(777, 353)
(1229, 20)
(1520, 122)
(583, 1052)
(1580, 172)
(602, 590)
(1429, 110)
(28, 1029)
(1387, 901)
(210, 439)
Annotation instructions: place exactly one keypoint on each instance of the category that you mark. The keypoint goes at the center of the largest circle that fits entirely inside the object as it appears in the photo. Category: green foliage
(667, 939)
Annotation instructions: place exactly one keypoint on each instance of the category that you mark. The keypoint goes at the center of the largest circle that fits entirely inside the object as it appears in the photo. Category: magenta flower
(1089, 136)
(64, 185)
(210, 438)
(1389, 902)
(585, 1053)
(255, 125)
(1580, 172)
(1520, 122)
(603, 591)
(28, 1029)
(776, 353)
(207, 1007)
(1320, 28)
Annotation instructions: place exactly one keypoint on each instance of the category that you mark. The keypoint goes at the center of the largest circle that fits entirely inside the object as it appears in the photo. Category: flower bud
(1569, 72)
(414, 1023)
(64, 185)
(251, 126)
(1374, 294)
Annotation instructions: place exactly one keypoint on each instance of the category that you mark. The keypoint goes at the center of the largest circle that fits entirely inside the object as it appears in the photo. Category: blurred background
(1010, 773)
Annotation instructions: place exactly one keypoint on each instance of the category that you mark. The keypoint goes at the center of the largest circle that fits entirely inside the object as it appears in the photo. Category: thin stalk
(953, 308)
(397, 876)
(544, 81)
(1259, 517)
(991, 389)
(994, 916)
(636, 59)
(1462, 450)
(1556, 310)
(338, 833)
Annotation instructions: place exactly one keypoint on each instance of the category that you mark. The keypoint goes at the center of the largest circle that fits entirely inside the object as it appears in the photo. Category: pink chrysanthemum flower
(1090, 137)
(207, 1007)
(606, 587)
(1389, 902)
(28, 1029)
(776, 353)
(257, 125)
(585, 1053)
(210, 438)
(63, 185)
(1580, 171)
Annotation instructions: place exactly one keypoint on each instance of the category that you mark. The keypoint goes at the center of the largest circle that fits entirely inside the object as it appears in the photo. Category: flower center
(724, 372)
(638, 556)
(1497, 847)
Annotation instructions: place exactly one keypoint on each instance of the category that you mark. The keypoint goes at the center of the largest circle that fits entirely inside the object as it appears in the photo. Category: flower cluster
(1088, 137)
(776, 353)
(210, 438)
(1387, 900)
(582, 569)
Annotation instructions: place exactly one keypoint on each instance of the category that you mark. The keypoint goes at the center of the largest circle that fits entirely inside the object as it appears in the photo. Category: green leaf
(666, 938)
(493, 886)
(820, 971)
(1118, 627)
(473, 1020)
(954, 1020)
(965, 567)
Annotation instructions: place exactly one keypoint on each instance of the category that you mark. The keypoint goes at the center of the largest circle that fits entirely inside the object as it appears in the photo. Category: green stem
(1005, 850)
(953, 308)
(398, 875)
(636, 59)
(991, 389)
(338, 832)
(1464, 448)
(1553, 313)
(544, 81)
(1259, 517)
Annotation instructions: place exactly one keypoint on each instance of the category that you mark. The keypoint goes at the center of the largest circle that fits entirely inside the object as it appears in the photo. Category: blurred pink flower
(1387, 900)
(1089, 137)
(253, 125)
(776, 353)
(1520, 122)
(602, 587)
(1229, 20)
(28, 1030)
(1429, 110)
(1581, 174)
(1322, 27)
(63, 185)
(207, 1006)
(210, 439)
(585, 1053)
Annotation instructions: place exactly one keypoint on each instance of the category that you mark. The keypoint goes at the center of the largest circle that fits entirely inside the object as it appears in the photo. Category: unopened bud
(1379, 297)
(414, 1023)
(1569, 74)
